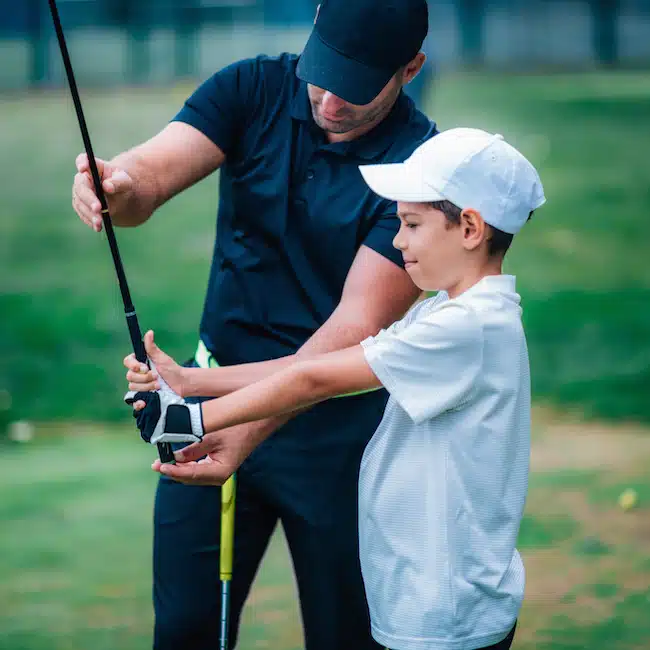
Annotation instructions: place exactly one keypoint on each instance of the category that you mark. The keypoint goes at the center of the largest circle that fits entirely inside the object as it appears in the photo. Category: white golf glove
(167, 417)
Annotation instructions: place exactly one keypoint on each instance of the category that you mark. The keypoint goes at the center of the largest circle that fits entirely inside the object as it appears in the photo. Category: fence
(156, 41)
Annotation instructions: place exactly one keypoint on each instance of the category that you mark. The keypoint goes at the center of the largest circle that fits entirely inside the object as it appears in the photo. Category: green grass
(581, 263)
(75, 548)
(76, 566)
(75, 514)
(627, 628)
(545, 532)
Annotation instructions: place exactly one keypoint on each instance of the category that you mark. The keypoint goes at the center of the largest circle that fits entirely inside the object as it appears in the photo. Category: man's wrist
(252, 434)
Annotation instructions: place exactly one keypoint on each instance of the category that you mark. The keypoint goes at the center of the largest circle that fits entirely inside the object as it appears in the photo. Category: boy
(443, 481)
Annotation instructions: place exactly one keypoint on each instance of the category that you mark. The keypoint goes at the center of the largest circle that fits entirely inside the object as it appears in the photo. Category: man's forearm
(251, 435)
(144, 199)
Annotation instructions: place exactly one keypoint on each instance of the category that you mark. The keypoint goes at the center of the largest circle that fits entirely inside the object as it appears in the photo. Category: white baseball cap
(472, 169)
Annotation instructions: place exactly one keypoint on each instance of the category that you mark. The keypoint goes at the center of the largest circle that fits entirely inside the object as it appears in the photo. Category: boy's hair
(498, 243)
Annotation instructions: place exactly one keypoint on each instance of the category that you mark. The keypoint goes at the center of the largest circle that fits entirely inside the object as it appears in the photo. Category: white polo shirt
(444, 479)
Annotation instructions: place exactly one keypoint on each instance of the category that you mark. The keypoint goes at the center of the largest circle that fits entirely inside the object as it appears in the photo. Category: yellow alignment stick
(204, 359)
(226, 556)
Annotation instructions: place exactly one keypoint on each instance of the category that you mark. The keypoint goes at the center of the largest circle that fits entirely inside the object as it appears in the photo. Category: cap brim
(397, 182)
(354, 82)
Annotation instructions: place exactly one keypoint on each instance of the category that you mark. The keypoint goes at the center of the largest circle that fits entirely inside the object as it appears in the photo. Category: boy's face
(433, 248)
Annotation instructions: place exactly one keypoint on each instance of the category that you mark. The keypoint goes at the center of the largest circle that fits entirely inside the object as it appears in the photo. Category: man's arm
(140, 180)
(162, 167)
(376, 293)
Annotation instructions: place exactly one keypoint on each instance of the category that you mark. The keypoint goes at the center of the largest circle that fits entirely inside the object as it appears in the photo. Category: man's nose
(331, 103)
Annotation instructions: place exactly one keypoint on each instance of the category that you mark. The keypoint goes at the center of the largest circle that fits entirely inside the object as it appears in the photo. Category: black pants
(315, 498)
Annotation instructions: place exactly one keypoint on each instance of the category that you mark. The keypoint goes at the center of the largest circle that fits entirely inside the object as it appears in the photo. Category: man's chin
(332, 126)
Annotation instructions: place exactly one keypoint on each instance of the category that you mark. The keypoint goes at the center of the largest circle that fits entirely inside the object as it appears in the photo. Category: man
(303, 264)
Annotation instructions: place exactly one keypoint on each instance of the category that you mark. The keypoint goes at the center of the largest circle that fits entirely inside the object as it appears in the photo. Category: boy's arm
(376, 294)
(298, 386)
(237, 423)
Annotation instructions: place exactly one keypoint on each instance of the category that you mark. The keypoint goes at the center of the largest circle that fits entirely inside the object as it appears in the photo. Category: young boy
(443, 481)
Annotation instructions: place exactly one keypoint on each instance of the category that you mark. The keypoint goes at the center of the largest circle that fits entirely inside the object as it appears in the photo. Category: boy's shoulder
(442, 318)
(442, 308)
(492, 298)
(425, 306)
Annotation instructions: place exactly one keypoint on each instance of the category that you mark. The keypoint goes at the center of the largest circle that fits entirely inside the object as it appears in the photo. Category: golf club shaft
(164, 449)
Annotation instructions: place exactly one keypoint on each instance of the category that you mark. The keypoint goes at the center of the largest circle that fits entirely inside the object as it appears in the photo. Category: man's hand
(219, 455)
(206, 471)
(116, 183)
(142, 379)
(193, 467)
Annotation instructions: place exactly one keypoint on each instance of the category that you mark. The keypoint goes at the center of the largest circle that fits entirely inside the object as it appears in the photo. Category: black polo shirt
(293, 208)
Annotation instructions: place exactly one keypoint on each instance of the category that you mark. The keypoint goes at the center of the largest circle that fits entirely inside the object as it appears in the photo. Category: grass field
(75, 560)
(76, 504)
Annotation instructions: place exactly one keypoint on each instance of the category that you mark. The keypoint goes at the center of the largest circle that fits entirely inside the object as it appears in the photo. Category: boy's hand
(164, 416)
(142, 379)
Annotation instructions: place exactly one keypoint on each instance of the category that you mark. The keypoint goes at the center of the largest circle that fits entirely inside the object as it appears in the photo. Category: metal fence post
(471, 18)
(605, 15)
(38, 44)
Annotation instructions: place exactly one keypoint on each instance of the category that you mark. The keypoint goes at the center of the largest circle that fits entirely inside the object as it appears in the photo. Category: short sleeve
(223, 104)
(432, 365)
(382, 232)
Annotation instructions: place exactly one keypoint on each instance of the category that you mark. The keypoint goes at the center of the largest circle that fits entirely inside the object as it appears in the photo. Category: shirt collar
(300, 106)
(369, 146)
(494, 284)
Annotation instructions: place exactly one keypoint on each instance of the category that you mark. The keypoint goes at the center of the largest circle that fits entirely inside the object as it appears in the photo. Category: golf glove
(167, 417)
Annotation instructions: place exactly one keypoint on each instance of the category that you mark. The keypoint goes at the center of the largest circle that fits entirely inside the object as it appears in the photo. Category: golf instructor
(303, 263)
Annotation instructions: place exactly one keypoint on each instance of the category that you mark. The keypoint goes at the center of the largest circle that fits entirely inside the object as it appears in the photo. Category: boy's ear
(473, 227)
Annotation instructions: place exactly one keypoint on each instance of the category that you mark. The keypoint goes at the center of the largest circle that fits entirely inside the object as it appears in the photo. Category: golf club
(164, 449)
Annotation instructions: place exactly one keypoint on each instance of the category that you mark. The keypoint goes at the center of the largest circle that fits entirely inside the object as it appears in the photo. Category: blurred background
(568, 82)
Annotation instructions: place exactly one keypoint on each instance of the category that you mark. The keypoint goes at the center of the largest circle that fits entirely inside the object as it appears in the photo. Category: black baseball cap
(356, 46)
